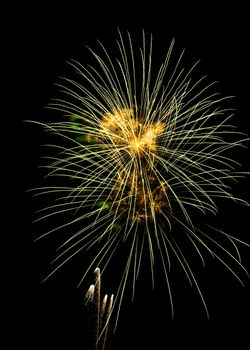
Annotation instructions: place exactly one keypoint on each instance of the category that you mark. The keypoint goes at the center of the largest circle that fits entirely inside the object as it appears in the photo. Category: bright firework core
(125, 128)
(138, 188)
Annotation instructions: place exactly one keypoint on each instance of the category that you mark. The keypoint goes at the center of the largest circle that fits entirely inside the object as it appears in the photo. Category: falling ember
(110, 304)
(107, 320)
(89, 296)
(104, 302)
(97, 271)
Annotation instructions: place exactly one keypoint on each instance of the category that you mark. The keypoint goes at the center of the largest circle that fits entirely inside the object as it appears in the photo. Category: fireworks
(141, 152)
(102, 311)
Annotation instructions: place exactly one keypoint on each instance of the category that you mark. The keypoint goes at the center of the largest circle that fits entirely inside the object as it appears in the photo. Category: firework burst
(140, 152)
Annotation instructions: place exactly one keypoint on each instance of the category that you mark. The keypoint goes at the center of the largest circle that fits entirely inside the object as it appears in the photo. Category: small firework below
(100, 312)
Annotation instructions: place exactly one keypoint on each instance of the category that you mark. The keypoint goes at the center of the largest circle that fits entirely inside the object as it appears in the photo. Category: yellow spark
(124, 128)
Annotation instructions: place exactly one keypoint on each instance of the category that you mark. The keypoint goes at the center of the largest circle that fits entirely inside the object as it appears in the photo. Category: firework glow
(140, 153)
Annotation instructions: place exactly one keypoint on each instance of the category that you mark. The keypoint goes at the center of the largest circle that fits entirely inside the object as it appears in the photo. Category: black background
(42, 37)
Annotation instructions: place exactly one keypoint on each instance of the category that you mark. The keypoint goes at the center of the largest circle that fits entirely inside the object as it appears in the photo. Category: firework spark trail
(98, 303)
(106, 325)
(103, 308)
(147, 149)
(101, 312)
(89, 297)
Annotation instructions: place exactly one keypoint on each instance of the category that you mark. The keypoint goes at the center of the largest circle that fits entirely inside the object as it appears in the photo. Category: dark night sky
(42, 39)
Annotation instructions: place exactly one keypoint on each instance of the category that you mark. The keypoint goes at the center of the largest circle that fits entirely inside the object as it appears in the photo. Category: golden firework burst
(139, 153)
